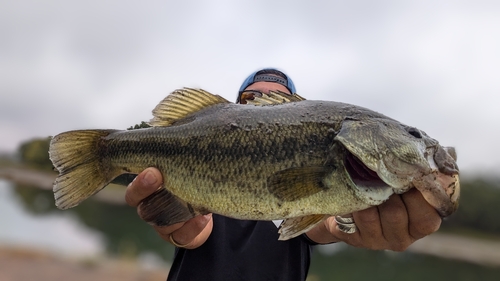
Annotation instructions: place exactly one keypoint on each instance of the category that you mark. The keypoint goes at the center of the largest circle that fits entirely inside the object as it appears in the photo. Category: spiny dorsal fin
(274, 98)
(181, 103)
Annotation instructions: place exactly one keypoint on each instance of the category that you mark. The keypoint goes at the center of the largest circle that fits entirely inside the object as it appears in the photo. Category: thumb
(147, 182)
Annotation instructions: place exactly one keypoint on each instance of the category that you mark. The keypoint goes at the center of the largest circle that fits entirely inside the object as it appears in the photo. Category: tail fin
(77, 157)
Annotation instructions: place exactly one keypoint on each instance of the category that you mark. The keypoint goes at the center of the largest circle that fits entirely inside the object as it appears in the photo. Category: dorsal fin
(181, 103)
(274, 98)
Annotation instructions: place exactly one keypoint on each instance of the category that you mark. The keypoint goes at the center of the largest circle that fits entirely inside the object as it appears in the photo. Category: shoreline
(44, 180)
(445, 245)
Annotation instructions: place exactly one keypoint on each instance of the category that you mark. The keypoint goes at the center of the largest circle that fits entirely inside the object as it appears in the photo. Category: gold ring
(171, 239)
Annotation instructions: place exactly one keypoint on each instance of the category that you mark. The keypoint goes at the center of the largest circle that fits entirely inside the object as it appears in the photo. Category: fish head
(383, 154)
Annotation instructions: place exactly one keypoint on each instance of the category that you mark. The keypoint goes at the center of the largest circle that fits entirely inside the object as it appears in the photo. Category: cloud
(88, 64)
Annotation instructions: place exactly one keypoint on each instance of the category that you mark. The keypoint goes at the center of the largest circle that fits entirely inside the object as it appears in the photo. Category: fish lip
(368, 185)
(440, 190)
(440, 186)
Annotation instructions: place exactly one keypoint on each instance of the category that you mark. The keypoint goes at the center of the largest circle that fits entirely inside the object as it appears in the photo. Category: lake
(58, 232)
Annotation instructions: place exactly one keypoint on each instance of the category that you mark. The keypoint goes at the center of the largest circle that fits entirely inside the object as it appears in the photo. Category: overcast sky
(434, 65)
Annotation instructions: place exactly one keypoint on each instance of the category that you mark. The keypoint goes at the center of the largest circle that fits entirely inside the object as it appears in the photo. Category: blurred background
(68, 65)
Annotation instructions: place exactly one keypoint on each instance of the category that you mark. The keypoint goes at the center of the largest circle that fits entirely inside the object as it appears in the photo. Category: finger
(352, 239)
(369, 229)
(192, 233)
(394, 221)
(423, 218)
(165, 231)
(368, 233)
(323, 233)
(143, 185)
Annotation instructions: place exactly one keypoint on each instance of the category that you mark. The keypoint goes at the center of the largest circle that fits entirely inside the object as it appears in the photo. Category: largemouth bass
(283, 158)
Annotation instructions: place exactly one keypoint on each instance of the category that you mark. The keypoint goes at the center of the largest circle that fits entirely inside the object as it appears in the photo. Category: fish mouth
(368, 185)
(360, 174)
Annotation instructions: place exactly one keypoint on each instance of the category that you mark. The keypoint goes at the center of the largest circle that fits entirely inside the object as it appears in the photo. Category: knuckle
(368, 216)
(423, 228)
(393, 213)
(395, 216)
(199, 223)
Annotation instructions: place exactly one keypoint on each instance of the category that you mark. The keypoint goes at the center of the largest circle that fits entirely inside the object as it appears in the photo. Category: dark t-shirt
(243, 250)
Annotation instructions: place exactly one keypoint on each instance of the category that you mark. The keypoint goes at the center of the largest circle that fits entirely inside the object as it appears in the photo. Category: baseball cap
(267, 75)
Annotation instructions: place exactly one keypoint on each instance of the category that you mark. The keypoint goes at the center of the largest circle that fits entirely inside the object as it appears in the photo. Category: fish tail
(82, 172)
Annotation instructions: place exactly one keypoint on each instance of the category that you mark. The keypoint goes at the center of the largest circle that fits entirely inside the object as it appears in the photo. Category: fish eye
(415, 132)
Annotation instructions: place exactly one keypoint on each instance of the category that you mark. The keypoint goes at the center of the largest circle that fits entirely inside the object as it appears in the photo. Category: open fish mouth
(360, 174)
(369, 187)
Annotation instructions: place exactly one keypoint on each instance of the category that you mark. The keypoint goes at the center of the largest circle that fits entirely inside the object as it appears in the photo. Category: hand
(192, 233)
(393, 225)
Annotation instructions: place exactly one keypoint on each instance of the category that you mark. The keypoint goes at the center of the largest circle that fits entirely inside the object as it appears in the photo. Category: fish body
(301, 161)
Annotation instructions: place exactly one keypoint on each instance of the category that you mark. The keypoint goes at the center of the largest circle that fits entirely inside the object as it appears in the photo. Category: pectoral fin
(293, 227)
(162, 208)
(296, 183)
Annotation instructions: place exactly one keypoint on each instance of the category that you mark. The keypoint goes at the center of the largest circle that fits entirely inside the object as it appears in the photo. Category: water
(60, 233)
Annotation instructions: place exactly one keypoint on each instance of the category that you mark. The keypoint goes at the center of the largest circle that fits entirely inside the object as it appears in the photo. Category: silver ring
(343, 220)
(346, 225)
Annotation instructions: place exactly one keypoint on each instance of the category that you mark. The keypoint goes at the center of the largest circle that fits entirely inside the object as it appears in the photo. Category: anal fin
(293, 227)
(162, 208)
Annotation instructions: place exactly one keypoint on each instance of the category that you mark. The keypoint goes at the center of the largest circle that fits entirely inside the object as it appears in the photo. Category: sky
(68, 65)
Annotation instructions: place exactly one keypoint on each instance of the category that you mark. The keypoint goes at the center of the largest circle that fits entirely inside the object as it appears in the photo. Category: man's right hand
(191, 234)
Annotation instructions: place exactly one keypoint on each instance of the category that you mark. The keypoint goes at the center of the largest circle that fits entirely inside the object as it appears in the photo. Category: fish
(278, 157)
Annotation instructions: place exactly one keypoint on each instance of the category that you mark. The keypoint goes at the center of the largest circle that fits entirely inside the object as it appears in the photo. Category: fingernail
(149, 178)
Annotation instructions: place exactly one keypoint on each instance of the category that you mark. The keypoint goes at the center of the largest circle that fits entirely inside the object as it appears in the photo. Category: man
(213, 247)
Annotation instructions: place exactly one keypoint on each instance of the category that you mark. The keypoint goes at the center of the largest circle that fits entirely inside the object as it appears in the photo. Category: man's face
(263, 87)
